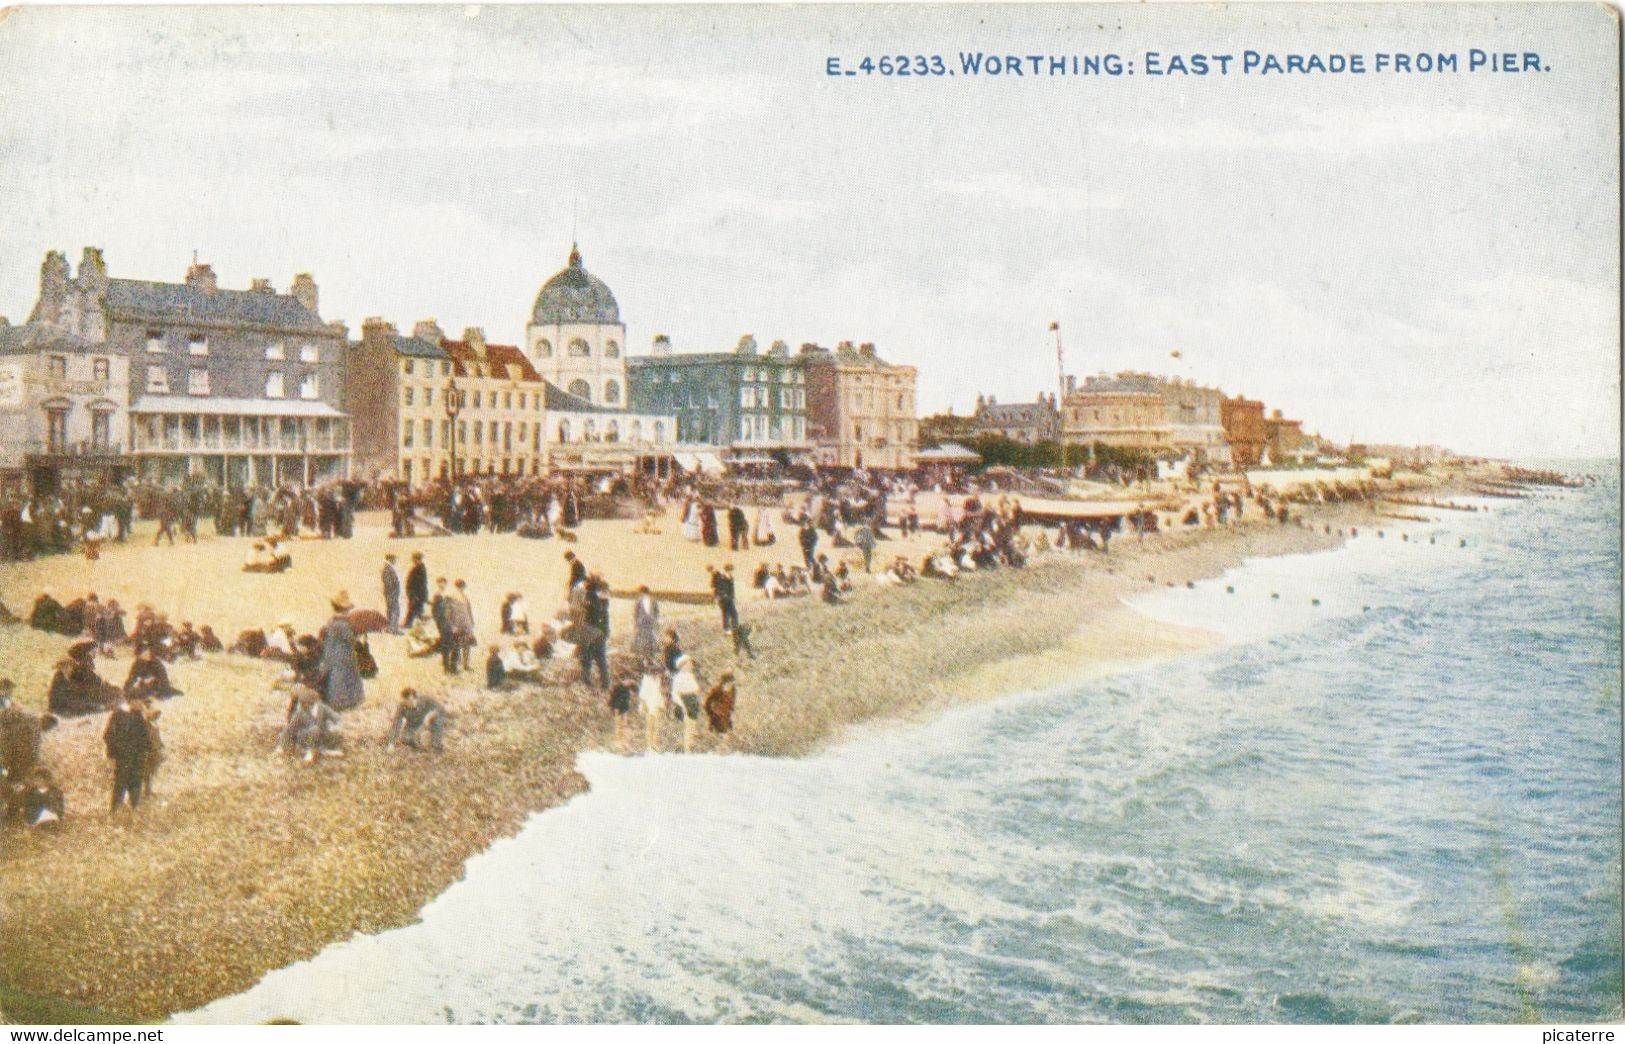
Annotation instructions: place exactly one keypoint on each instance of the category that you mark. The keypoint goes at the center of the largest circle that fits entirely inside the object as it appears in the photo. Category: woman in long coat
(646, 627)
(340, 674)
(708, 524)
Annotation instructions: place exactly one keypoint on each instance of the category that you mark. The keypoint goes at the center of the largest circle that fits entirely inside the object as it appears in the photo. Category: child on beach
(685, 698)
(652, 702)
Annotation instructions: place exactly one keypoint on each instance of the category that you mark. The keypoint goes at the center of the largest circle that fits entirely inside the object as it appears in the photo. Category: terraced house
(751, 405)
(238, 386)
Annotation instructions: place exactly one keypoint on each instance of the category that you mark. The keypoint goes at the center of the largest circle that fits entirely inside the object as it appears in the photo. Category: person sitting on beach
(279, 642)
(545, 647)
(515, 617)
(36, 801)
(496, 672)
(421, 639)
(520, 664)
(774, 585)
(77, 689)
(281, 561)
(799, 583)
(311, 729)
(758, 579)
(22, 736)
(250, 642)
(413, 714)
(207, 641)
(148, 678)
(48, 615)
(940, 565)
(258, 559)
(830, 590)
(889, 577)
(843, 577)
(186, 641)
(905, 572)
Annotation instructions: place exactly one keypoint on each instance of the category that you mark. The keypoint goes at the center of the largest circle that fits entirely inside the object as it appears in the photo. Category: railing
(82, 448)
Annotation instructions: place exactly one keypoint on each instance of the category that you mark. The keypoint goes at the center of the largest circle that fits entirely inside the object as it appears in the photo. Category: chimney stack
(746, 345)
(474, 337)
(661, 346)
(867, 349)
(303, 290)
(375, 329)
(198, 275)
(261, 286)
(428, 330)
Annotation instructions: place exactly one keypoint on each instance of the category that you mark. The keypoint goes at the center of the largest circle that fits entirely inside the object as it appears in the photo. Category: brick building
(1243, 421)
(238, 386)
(1029, 422)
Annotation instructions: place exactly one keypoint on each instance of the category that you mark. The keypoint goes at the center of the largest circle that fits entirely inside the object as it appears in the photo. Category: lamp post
(454, 407)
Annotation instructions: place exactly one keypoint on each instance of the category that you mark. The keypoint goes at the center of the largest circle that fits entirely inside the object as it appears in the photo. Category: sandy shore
(246, 862)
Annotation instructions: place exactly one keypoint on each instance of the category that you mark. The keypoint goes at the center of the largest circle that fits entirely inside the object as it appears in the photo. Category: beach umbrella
(366, 621)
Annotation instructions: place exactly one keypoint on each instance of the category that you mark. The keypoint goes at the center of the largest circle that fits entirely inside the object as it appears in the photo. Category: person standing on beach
(722, 590)
(738, 529)
(417, 589)
(578, 572)
(808, 536)
(460, 614)
(597, 618)
(128, 742)
(391, 579)
(864, 538)
(652, 702)
(685, 698)
(719, 708)
(646, 626)
(339, 671)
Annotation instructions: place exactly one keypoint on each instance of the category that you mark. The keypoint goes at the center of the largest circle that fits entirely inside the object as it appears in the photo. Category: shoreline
(382, 837)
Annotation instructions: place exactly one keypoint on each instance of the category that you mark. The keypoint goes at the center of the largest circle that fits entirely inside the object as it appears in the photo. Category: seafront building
(860, 408)
(1028, 422)
(1243, 421)
(1155, 415)
(1285, 441)
(236, 386)
(749, 405)
(64, 409)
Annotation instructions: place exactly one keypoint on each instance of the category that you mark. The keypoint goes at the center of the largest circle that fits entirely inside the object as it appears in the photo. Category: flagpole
(1060, 392)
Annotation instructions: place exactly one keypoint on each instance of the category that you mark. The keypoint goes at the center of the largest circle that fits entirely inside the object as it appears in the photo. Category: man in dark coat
(597, 619)
(128, 742)
(738, 529)
(809, 540)
(440, 609)
(578, 572)
(722, 589)
(392, 594)
(417, 588)
(340, 673)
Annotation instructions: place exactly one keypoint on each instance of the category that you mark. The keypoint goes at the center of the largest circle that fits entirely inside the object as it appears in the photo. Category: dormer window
(197, 344)
(155, 342)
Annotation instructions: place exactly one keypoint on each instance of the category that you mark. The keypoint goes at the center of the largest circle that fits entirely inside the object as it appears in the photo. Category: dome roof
(575, 295)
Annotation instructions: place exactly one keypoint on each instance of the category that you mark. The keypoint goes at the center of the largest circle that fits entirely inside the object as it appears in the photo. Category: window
(747, 397)
(428, 433)
(99, 369)
(564, 431)
(660, 431)
(155, 342)
(445, 433)
(614, 434)
(101, 429)
(406, 396)
(157, 381)
(544, 349)
(59, 367)
(56, 429)
(273, 384)
(197, 344)
(309, 388)
(476, 400)
(308, 353)
(744, 428)
(612, 350)
(612, 392)
(637, 431)
(521, 400)
(581, 389)
(507, 400)
(406, 434)
(579, 349)
(479, 433)
(197, 381)
(428, 396)
(406, 365)
(445, 368)
(493, 434)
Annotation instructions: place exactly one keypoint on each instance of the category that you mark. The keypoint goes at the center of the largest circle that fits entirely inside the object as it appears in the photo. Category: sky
(1413, 258)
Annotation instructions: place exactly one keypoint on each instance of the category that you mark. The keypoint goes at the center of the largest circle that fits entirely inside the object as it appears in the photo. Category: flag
(1054, 326)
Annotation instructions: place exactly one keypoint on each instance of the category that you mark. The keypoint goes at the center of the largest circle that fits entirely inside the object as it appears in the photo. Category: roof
(417, 346)
(1016, 411)
(180, 302)
(575, 295)
(562, 401)
(205, 404)
(504, 355)
(33, 337)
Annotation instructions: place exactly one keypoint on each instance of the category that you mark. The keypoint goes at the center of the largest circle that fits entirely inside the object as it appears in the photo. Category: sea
(1392, 794)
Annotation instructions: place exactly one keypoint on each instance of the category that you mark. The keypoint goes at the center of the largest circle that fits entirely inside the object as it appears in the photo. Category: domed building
(575, 337)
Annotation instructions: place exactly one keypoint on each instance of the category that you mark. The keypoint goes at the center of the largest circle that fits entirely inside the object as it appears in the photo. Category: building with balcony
(751, 403)
(64, 409)
(238, 386)
(1156, 415)
(860, 408)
